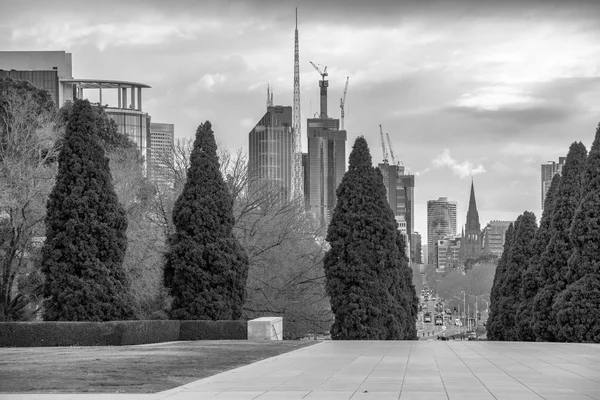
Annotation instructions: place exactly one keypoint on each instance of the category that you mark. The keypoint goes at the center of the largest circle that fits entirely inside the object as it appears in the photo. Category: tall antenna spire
(297, 176)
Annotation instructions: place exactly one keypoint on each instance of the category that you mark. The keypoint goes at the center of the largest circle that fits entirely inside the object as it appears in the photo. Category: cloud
(462, 169)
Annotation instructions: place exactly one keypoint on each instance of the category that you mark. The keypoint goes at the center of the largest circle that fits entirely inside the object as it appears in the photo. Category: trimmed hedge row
(213, 330)
(116, 333)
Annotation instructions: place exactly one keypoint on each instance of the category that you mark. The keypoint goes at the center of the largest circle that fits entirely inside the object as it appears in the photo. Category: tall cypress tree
(553, 261)
(362, 269)
(85, 243)
(520, 253)
(410, 300)
(531, 276)
(577, 307)
(493, 324)
(206, 267)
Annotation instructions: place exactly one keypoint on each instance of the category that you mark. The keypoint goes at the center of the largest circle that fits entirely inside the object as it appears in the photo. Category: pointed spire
(472, 214)
(268, 94)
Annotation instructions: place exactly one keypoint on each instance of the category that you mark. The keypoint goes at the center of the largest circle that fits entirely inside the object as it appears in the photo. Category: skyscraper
(326, 159)
(471, 241)
(416, 248)
(548, 170)
(160, 153)
(400, 193)
(441, 224)
(270, 152)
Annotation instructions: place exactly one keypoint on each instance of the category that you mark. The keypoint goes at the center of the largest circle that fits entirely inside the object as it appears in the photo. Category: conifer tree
(364, 279)
(577, 307)
(521, 251)
(531, 276)
(553, 261)
(206, 267)
(493, 325)
(86, 227)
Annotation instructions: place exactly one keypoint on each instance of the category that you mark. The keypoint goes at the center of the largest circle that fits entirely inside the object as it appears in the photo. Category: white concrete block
(265, 328)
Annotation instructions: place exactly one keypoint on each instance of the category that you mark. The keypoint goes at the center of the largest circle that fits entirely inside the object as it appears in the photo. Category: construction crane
(383, 150)
(343, 100)
(390, 146)
(322, 73)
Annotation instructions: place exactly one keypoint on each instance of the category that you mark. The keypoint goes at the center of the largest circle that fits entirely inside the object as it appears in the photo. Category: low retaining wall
(116, 333)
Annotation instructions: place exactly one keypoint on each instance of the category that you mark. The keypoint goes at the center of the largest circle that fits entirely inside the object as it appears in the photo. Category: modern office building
(441, 224)
(160, 153)
(270, 152)
(493, 237)
(326, 160)
(44, 69)
(425, 253)
(448, 253)
(416, 248)
(548, 171)
(52, 70)
(400, 189)
(471, 238)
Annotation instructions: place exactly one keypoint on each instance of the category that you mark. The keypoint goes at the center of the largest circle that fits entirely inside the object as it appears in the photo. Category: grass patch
(128, 369)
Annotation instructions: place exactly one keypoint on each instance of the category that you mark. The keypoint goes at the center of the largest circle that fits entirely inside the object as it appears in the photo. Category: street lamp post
(464, 303)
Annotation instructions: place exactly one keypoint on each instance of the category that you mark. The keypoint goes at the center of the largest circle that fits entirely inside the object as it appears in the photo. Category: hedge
(213, 330)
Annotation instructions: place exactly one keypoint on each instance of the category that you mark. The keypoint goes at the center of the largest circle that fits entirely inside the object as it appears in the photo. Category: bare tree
(286, 272)
(28, 151)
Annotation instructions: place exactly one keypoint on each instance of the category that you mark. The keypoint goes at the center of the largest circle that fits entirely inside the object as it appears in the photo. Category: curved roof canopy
(104, 84)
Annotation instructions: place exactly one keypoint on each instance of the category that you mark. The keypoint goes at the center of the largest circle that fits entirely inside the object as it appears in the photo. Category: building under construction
(400, 191)
(326, 163)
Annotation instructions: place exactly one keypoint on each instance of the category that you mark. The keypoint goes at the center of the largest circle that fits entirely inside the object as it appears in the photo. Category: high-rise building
(270, 152)
(326, 159)
(52, 70)
(471, 242)
(548, 171)
(399, 192)
(416, 248)
(160, 153)
(425, 253)
(493, 237)
(441, 224)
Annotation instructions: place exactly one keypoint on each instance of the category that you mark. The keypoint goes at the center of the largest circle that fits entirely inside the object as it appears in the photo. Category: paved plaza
(464, 370)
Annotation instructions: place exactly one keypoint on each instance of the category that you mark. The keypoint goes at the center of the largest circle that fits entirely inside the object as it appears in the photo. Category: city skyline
(463, 89)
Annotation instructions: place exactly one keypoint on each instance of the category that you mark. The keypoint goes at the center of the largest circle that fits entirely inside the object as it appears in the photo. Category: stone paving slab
(362, 370)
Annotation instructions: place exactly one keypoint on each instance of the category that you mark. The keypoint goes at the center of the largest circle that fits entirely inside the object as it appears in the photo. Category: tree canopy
(85, 232)
(366, 277)
(206, 268)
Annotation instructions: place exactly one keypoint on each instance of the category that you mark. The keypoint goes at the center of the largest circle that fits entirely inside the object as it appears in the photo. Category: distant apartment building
(52, 70)
(493, 237)
(548, 170)
(441, 224)
(448, 253)
(270, 152)
(160, 153)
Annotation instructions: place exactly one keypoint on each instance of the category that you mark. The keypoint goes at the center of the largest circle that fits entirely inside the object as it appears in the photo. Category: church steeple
(472, 214)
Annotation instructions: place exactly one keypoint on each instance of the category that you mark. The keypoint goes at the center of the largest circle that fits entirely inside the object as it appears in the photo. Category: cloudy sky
(486, 89)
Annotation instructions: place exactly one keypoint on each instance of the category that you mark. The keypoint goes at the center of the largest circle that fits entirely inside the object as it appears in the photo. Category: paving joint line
(440, 374)
(506, 372)
(363, 381)
(405, 370)
(471, 371)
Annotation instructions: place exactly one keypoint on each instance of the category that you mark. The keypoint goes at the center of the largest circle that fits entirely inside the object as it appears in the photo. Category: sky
(482, 90)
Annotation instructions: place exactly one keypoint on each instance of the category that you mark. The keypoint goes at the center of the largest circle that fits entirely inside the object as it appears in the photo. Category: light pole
(464, 303)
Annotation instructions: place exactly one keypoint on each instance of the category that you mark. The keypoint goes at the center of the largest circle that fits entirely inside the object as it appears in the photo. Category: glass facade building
(441, 224)
(270, 151)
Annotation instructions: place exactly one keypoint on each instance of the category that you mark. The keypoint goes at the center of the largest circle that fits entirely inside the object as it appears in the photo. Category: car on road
(427, 317)
(457, 322)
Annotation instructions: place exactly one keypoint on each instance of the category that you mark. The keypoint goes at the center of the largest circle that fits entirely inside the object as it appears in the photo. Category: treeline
(547, 283)
(84, 236)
